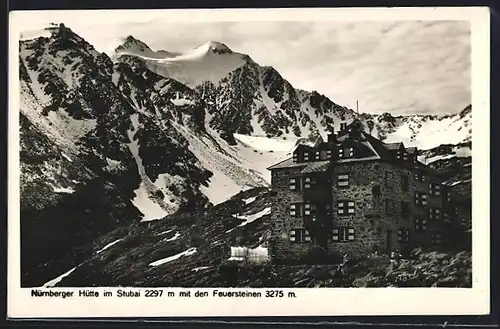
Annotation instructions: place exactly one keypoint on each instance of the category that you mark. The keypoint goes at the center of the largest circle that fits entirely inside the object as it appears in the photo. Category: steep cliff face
(97, 143)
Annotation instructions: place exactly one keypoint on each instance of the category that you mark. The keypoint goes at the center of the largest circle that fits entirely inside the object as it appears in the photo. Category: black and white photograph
(226, 153)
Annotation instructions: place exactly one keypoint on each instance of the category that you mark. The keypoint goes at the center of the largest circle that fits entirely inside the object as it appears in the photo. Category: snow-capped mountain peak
(210, 61)
(134, 46)
(217, 47)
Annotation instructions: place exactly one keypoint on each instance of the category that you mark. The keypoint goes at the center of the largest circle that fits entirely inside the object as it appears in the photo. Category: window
(295, 157)
(388, 178)
(343, 180)
(302, 209)
(309, 181)
(389, 207)
(317, 156)
(420, 199)
(309, 209)
(405, 156)
(345, 207)
(403, 235)
(405, 209)
(347, 152)
(420, 224)
(293, 184)
(405, 182)
(328, 154)
(306, 156)
(434, 189)
(343, 234)
(300, 235)
(434, 214)
(420, 177)
(398, 155)
(436, 238)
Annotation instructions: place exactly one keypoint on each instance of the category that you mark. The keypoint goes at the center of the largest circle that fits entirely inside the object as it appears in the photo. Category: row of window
(338, 234)
(301, 183)
(307, 209)
(434, 213)
(348, 207)
(404, 236)
(324, 155)
(403, 155)
(347, 234)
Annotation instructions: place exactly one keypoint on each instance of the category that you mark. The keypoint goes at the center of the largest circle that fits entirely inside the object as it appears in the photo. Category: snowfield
(193, 67)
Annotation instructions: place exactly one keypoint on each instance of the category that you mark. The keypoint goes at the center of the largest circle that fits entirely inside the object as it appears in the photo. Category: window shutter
(335, 235)
(307, 209)
(350, 234)
(307, 236)
(307, 182)
(343, 180)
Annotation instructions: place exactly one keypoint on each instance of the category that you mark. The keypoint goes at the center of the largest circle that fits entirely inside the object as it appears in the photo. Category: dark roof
(288, 163)
(393, 146)
(411, 150)
(317, 166)
(381, 150)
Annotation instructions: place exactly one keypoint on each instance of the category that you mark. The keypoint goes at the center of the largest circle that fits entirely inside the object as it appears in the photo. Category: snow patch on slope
(178, 101)
(109, 245)
(53, 282)
(189, 252)
(429, 133)
(250, 218)
(152, 209)
(234, 167)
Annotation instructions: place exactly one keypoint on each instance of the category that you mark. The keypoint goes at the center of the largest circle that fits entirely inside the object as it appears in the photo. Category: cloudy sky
(401, 67)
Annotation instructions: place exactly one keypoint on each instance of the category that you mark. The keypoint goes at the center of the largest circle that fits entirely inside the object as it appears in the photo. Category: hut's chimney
(331, 136)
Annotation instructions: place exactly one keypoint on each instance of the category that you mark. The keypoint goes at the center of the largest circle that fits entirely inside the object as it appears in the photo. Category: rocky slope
(193, 250)
(97, 143)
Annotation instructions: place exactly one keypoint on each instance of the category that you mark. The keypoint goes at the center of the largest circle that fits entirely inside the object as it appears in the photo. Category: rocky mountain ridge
(247, 98)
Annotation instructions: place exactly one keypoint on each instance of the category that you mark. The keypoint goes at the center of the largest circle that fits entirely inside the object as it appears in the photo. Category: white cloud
(394, 66)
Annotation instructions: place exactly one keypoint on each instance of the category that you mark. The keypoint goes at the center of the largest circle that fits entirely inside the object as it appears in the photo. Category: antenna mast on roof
(357, 109)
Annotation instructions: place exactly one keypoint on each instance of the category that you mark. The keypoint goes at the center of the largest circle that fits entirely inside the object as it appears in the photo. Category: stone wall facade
(377, 212)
